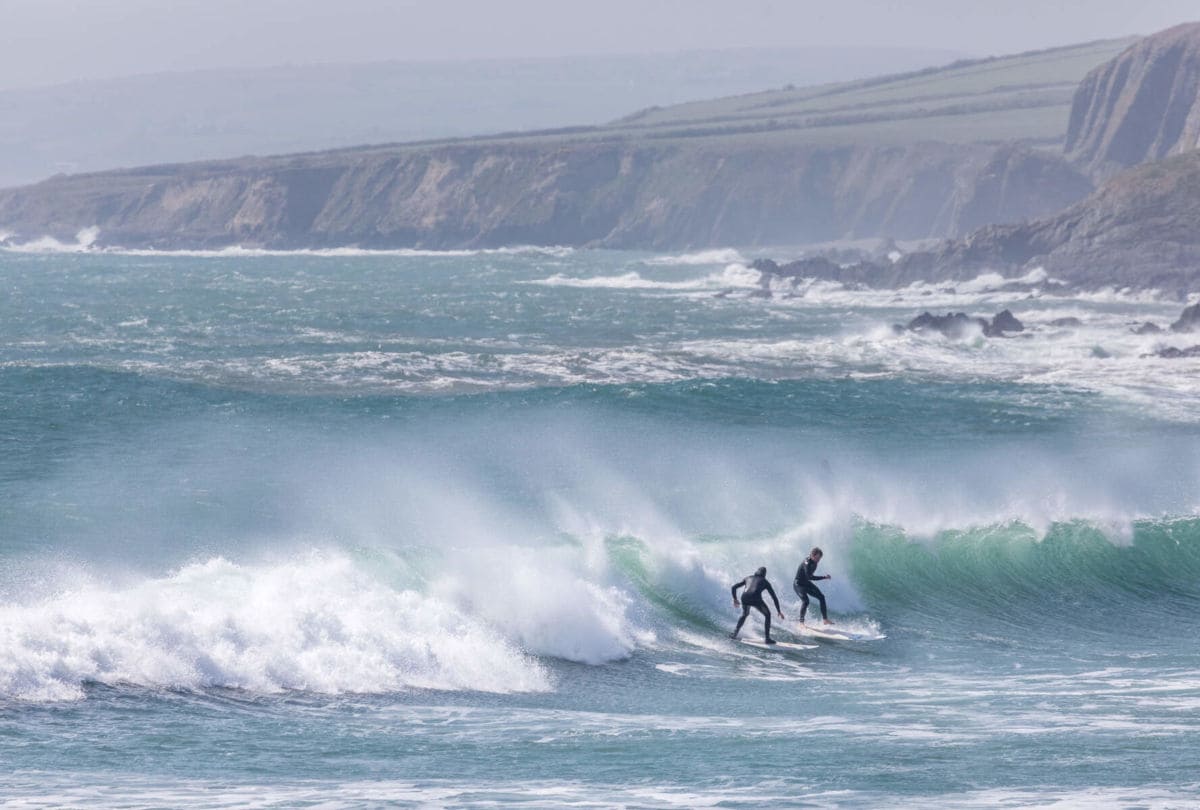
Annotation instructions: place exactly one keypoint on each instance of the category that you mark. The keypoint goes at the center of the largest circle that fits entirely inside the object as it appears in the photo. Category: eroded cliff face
(1140, 230)
(1142, 106)
(598, 194)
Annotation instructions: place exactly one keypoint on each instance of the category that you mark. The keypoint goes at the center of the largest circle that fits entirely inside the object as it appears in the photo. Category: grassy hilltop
(1025, 97)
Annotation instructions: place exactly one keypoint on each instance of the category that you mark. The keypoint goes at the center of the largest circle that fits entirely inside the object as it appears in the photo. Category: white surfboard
(833, 632)
(778, 646)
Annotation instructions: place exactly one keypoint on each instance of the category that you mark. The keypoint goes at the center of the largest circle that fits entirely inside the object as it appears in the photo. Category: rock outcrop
(1173, 353)
(1188, 321)
(1139, 230)
(1142, 106)
(958, 325)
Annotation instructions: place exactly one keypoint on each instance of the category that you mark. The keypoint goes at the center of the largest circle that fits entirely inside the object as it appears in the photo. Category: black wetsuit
(804, 588)
(752, 598)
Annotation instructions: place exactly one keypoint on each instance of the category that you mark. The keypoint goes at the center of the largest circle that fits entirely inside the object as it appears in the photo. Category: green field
(1025, 97)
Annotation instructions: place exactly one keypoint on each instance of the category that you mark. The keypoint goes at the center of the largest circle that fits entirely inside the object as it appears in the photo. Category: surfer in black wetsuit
(755, 584)
(803, 584)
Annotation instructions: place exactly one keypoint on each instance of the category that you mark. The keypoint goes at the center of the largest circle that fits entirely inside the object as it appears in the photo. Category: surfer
(755, 584)
(804, 587)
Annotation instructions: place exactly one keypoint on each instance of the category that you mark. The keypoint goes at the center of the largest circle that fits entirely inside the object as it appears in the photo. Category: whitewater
(409, 528)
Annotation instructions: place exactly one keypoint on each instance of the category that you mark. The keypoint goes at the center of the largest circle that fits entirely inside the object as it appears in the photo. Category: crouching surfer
(755, 584)
(804, 587)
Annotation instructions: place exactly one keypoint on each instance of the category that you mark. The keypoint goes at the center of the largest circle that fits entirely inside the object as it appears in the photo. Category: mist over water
(355, 517)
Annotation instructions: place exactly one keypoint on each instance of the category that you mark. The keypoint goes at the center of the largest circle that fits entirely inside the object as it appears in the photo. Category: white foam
(714, 256)
(985, 289)
(317, 624)
(733, 276)
(415, 371)
(66, 789)
(626, 281)
(85, 242)
(1102, 354)
(85, 239)
(59, 789)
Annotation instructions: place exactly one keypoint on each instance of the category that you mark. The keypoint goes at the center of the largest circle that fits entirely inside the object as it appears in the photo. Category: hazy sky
(44, 41)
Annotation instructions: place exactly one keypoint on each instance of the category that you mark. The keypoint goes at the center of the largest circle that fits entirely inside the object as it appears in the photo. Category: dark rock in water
(1005, 321)
(1147, 329)
(959, 324)
(1189, 321)
(1171, 353)
(1063, 322)
(953, 325)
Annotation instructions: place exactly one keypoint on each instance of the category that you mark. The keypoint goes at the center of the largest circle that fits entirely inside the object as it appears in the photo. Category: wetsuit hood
(762, 572)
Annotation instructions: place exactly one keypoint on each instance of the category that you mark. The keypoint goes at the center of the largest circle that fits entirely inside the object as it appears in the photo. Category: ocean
(424, 529)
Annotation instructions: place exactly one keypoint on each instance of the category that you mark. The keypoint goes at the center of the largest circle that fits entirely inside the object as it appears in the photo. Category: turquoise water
(459, 529)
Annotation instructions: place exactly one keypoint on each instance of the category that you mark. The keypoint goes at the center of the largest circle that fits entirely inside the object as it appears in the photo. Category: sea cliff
(586, 194)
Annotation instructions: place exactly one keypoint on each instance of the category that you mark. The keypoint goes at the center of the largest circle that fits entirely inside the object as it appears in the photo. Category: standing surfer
(755, 584)
(804, 587)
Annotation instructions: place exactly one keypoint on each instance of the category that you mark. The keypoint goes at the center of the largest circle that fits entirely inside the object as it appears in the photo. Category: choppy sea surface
(458, 529)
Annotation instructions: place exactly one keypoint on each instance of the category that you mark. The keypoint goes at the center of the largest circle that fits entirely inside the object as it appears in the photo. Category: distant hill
(933, 152)
(204, 115)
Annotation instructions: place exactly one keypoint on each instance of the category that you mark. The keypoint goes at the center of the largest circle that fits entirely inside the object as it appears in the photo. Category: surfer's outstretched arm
(774, 599)
(733, 591)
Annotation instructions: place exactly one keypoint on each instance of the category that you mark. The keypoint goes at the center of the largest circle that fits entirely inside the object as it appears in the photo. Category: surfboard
(836, 633)
(778, 646)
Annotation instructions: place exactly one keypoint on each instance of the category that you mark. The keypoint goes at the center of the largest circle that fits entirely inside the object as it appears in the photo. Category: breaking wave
(477, 556)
